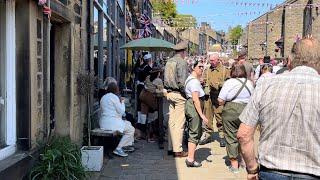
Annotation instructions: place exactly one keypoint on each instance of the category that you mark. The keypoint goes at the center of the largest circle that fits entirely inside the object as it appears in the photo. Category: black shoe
(170, 153)
(193, 164)
(204, 141)
(222, 142)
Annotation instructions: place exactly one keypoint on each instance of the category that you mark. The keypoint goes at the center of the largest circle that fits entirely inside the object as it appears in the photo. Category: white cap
(147, 56)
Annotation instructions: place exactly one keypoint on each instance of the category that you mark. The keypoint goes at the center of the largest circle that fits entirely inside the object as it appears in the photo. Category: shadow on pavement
(202, 154)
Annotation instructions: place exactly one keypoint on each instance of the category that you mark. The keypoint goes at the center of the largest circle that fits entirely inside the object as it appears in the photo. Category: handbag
(149, 99)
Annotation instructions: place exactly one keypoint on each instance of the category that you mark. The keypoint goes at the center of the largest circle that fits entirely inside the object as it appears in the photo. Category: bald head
(306, 52)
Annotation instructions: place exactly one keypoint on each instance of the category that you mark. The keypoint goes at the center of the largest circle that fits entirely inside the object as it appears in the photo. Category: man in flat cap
(175, 75)
(248, 66)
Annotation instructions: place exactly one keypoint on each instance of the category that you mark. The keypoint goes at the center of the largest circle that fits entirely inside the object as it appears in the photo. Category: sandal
(193, 164)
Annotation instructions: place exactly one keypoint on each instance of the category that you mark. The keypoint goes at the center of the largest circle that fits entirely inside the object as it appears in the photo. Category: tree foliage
(235, 34)
(167, 9)
(184, 21)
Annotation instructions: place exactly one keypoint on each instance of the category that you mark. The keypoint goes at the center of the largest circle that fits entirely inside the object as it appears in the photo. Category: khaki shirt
(215, 77)
(175, 73)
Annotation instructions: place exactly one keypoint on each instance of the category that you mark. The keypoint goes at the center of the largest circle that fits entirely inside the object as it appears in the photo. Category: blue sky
(222, 14)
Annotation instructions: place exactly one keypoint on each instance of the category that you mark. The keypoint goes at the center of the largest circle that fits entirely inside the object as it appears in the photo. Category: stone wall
(256, 36)
(70, 59)
(293, 24)
(293, 27)
(274, 32)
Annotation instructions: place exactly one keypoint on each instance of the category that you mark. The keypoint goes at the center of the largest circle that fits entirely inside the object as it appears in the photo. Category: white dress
(111, 113)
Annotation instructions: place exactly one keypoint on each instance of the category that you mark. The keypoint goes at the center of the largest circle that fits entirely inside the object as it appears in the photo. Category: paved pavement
(149, 162)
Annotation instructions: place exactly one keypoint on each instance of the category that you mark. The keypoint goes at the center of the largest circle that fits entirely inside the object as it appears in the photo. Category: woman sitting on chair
(112, 111)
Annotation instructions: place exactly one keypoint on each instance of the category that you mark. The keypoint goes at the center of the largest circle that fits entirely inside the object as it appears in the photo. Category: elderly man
(175, 75)
(287, 107)
(214, 77)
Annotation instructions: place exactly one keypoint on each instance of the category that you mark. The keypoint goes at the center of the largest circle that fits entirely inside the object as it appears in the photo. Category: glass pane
(2, 71)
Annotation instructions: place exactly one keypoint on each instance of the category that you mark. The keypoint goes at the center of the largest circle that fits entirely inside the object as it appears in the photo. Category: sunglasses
(201, 67)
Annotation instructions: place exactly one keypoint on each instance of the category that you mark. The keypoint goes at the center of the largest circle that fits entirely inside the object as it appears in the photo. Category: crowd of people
(282, 98)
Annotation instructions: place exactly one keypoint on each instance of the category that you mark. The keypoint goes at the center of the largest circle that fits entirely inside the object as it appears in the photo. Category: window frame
(10, 84)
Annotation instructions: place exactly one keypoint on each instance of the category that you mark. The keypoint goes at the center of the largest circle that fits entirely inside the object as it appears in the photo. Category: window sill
(7, 151)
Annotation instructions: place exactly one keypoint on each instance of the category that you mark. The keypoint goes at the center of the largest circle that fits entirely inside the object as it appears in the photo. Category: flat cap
(242, 53)
(181, 46)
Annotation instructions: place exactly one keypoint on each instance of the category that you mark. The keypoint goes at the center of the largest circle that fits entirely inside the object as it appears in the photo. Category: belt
(289, 173)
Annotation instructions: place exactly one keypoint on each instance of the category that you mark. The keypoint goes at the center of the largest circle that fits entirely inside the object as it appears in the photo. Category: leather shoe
(222, 142)
(170, 153)
(180, 154)
(193, 164)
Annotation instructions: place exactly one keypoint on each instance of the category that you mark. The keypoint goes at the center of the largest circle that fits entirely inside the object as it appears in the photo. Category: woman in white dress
(112, 111)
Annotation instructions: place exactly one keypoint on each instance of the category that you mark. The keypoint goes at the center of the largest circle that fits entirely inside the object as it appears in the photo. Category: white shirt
(192, 84)
(111, 113)
(232, 86)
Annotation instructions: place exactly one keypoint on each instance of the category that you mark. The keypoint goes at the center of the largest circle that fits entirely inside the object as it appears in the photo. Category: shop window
(7, 79)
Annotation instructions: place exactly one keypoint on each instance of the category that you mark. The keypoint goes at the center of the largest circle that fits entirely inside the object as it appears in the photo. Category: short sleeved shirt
(232, 86)
(193, 85)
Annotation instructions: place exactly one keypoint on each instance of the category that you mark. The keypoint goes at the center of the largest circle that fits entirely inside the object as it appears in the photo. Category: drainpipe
(52, 123)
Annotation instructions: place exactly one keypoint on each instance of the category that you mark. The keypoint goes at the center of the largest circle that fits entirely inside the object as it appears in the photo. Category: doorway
(60, 77)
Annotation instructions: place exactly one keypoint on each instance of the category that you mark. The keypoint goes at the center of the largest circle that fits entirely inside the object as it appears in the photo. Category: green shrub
(60, 160)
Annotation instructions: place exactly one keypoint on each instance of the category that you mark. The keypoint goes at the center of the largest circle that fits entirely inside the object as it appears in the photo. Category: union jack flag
(145, 22)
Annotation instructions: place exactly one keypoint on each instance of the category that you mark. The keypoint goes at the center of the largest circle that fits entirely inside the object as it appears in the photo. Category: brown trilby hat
(181, 46)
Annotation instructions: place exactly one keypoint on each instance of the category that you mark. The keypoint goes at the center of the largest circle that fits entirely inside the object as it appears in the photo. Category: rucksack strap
(185, 84)
(239, 91)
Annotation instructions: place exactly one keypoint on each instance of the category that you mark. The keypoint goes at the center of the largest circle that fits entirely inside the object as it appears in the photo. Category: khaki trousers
(213, 111)
(176, 121)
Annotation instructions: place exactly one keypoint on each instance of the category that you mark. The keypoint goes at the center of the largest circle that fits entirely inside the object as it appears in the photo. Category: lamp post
(264, 47)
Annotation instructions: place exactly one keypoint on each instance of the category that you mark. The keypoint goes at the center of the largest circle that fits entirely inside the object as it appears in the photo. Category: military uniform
(214, 78)
(174, 77)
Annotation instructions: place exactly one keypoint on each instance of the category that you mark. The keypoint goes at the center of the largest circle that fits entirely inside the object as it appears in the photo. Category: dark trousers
(267, 174)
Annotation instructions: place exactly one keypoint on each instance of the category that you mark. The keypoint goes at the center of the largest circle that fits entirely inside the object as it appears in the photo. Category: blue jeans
(267, 175)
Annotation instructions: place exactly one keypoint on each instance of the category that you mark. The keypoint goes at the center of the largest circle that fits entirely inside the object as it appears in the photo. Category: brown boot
(180, 154)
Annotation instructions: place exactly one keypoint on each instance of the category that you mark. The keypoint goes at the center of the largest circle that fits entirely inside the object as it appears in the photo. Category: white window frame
(10, 84)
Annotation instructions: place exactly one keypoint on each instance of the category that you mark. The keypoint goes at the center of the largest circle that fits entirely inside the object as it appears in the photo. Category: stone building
(40, 64)
(274, 32)
(193, 36)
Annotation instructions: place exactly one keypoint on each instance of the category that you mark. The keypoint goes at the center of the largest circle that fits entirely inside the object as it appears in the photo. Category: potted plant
(60, 159)
(92, 156)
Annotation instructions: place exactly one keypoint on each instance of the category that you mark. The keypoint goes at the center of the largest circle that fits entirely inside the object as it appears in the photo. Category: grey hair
(108, 81)
(306, 52)
(213, 54)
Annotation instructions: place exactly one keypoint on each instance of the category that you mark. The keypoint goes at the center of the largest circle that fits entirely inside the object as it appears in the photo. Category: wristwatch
(253, 171)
